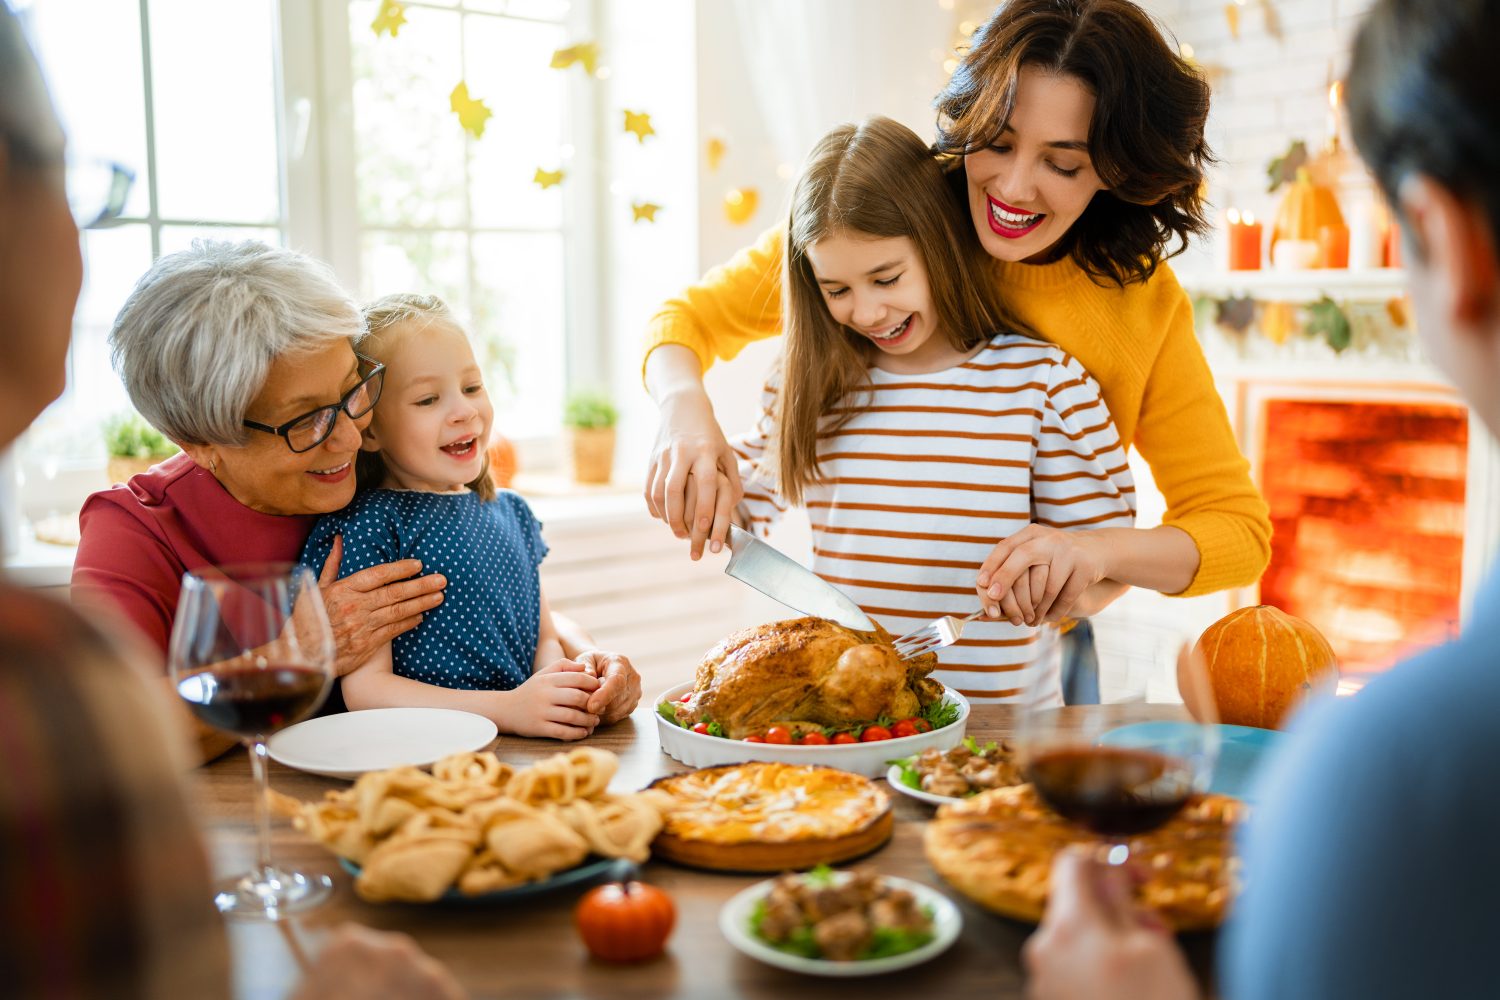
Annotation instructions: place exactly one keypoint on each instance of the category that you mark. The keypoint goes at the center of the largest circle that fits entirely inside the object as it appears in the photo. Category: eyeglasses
(306, 432)
(97, 191)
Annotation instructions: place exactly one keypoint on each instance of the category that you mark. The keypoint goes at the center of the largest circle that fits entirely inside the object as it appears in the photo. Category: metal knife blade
(787, 581)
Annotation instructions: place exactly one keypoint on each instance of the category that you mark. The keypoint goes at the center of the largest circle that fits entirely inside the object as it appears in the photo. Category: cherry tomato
(687, 697)
(778, 734)
(753, 739)
(813, 739)
(700, 727)
(874, 733)
(903, 728)
(923, 726)
(844, 738)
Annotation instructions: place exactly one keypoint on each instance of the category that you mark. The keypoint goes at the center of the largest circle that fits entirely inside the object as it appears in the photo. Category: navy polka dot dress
(483, 636)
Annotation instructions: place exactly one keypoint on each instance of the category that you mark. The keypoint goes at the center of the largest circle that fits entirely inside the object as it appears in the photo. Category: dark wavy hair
(1424, 97)
(1146, 138)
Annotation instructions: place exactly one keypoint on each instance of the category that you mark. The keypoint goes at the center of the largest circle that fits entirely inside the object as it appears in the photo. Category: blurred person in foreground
(1370, 865)
(104, 885)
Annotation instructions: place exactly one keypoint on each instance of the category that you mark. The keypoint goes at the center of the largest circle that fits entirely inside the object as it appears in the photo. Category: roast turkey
(807, 670)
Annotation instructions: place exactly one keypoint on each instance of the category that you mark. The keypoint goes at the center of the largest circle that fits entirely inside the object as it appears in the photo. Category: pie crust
(997, 849)
(765, 816)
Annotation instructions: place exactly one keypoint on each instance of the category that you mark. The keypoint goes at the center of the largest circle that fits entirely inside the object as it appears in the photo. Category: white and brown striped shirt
(932, 470)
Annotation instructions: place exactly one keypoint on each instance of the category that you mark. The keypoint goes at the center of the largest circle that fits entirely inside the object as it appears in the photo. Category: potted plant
(590, 418)
(133, 446)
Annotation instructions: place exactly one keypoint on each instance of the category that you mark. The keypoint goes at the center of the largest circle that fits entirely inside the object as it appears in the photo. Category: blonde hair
(383, 318)
(878, 180)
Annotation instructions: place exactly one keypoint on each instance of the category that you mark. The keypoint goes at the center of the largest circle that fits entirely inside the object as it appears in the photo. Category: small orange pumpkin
(1305, 209)
(503, 464)
(1261, 661)
(625, 921)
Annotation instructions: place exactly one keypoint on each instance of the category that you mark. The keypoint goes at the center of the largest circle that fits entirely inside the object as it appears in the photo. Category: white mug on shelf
(1294, 255)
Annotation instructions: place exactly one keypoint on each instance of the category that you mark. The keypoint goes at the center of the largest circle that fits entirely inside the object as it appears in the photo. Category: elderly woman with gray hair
(244, 355)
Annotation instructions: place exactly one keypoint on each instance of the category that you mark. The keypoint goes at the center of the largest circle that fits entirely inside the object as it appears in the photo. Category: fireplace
(1368, 490)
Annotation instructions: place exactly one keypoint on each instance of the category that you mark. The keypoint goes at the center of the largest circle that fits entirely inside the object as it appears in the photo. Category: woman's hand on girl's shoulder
(370, 608)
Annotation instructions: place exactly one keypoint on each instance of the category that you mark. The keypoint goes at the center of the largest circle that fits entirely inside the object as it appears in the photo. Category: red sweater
(140, 538)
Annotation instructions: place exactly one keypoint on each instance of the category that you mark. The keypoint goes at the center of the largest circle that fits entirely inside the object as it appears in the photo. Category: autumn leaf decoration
(389, 19)
(472, 113)
(1326, 319)
(1283, 169)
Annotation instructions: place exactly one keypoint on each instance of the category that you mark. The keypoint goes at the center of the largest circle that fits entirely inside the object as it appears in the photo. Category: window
(291, 121)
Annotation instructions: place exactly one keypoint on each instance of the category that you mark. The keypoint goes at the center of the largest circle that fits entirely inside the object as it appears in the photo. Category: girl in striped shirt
(908, 415)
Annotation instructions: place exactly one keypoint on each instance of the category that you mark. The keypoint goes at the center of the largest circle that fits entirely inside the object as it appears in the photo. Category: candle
(1244, 242)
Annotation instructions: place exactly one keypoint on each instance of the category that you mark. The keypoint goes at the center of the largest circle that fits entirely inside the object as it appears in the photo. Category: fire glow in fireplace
(1367, 498)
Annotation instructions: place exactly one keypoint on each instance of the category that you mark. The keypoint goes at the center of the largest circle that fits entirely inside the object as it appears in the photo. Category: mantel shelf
(1375, 285)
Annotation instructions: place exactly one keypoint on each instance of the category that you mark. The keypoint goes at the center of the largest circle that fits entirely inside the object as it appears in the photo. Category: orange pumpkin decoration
(1261, 661)
(625, 921)
(503, 465)
(1305, 209)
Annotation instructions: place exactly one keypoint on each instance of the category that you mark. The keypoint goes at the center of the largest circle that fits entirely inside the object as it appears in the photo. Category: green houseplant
(133, 446)
(590, 418)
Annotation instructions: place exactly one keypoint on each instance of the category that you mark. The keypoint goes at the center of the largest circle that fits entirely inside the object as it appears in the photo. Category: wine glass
(252, 653)
(1115, 769)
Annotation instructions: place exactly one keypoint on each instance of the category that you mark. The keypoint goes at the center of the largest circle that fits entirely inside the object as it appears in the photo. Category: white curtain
(816, 63)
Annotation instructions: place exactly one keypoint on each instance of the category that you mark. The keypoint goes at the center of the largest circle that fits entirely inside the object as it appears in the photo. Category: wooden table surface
(529, 948)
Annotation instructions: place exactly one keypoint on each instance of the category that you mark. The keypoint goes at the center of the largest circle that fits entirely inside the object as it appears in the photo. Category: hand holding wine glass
(252, 653)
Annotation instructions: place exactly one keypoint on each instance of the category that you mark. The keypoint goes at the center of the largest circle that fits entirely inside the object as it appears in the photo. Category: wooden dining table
(528, 947)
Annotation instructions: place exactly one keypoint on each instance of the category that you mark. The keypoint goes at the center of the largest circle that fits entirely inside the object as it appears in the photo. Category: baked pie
(765, 816)
(997, 849)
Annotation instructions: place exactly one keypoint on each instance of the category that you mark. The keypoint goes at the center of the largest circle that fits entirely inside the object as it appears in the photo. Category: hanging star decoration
(547, 178)
(638, 124)
(389, 18)
(740, 204)
(644, 211)
(472, 114)
(714, 150)
(585, 54)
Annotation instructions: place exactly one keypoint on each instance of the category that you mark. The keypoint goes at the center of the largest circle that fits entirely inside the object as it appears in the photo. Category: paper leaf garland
(1283, 169)
(1326, 319)
(1278, 321)
(1235, 315)
(585, 54)
(389, 18)
(644, 211)
(740, 205)
(472, 114)
(547, 178)
(638, 124)
(714, 150)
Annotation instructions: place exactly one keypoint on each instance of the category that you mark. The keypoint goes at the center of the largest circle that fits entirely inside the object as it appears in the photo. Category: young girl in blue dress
(492, 646)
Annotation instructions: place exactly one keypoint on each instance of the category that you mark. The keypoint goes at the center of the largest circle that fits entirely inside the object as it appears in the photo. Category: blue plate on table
(589, 871)
(1243, 751)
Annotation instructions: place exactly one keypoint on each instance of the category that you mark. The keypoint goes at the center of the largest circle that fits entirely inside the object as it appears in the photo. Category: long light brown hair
(383, 318)
(875, 180)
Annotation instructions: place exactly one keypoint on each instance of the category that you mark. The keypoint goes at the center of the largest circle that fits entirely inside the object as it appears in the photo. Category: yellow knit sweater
(1138, 342)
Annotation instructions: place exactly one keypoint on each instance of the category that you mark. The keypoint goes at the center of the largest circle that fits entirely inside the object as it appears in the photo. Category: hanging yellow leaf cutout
(740, 205)
(644, 211)
(638, 124)
(472, 114)
(389, 18)
(1399, 311)
(547, 178)
(1232, 15)
(1277, 321)
(714, 150)
(585, 54)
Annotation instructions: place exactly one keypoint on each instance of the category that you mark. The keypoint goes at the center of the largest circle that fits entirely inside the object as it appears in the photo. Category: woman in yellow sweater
(1076, 139)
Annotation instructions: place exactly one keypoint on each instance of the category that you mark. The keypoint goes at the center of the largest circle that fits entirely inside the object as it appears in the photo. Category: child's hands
(619, 685)
(1039, 573)
(553, 703)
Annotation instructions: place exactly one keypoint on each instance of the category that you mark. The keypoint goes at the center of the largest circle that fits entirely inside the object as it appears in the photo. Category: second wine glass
(252, 653)
(1114, 788)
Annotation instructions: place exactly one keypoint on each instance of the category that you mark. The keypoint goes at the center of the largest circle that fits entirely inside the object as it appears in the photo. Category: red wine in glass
(253, 701)
(1112, 791)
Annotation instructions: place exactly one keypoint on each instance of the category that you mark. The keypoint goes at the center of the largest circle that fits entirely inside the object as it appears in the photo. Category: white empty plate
(351, 743)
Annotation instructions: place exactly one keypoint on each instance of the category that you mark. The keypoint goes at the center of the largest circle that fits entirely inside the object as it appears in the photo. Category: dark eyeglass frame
(284, 431)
